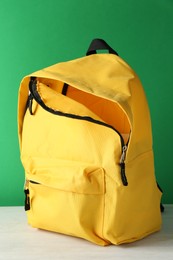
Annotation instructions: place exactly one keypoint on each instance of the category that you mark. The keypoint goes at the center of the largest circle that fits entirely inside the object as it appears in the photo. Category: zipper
(27, 197)
(34, 182)
(30, 97)
(34, 94)
(27, 194)
(30, 100)
(122, 165)
(29, 103)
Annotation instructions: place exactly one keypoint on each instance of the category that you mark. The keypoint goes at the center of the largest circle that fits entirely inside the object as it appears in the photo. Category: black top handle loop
(99, 44)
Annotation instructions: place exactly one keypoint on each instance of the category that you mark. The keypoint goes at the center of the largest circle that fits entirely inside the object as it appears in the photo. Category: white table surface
(20, 241)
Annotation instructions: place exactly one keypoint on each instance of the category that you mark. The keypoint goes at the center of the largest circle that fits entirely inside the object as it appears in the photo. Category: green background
(37, 33)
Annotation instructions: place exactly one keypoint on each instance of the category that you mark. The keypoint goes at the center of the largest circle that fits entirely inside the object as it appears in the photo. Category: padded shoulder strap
(161, 205)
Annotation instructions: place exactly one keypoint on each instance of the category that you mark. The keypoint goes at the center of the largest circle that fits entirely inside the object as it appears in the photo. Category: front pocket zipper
(27, 194)
(34, 182)
(27, 199)
(34, 94)
(80, 179)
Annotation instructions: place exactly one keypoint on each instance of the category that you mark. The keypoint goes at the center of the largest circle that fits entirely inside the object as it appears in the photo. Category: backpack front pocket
(63, 199)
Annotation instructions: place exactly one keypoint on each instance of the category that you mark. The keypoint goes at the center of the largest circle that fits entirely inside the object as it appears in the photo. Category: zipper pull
(123, 155)
(122, 164)
(27, 197)
(30, 99)
(27, 200)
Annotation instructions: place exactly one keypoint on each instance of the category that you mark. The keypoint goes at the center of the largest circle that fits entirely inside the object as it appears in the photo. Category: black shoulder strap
(161, 205)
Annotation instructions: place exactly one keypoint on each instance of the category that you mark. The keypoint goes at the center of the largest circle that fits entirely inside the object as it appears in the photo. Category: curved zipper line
(37, 97)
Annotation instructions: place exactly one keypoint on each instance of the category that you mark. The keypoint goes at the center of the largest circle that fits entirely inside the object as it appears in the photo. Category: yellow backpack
(86, 147)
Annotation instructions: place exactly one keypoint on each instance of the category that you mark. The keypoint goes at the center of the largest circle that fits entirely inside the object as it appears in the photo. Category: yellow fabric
(77, 162)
